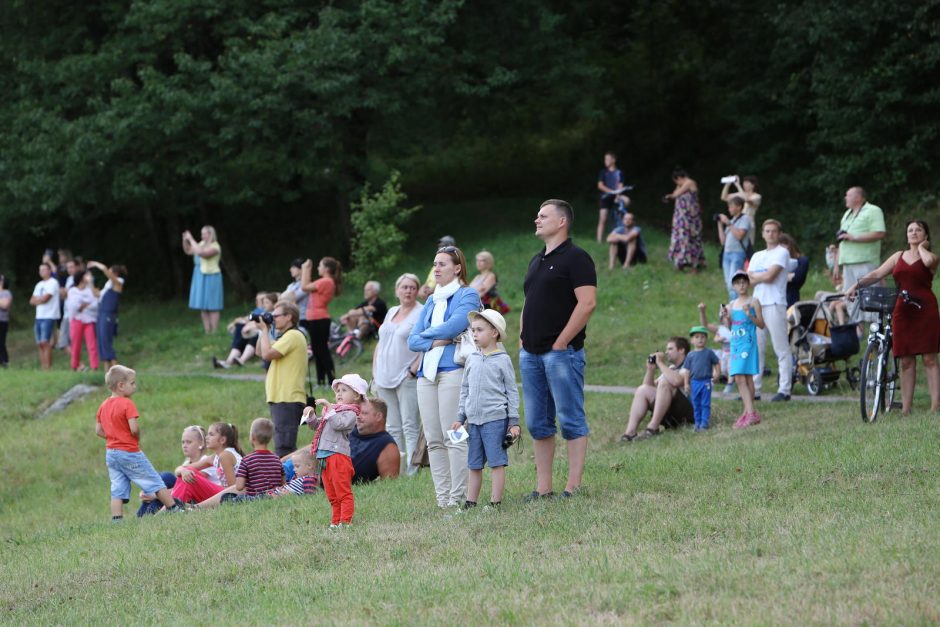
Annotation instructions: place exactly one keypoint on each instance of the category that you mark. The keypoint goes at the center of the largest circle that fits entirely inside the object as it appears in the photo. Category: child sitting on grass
(258, 472)
(116, 422)
(305, 480)
(703, 368)
(331, 444)
(746, 317)
(203, 479)
(489, 403)
(193, 442)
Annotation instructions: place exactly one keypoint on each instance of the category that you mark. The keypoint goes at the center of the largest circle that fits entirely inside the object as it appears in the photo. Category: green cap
(695, 330)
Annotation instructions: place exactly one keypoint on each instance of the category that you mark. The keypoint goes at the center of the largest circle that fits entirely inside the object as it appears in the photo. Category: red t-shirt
(114, 415)
(319, 300)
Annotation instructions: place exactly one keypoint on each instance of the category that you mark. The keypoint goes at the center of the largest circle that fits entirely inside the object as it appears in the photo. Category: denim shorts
(553, 383)
(44, 328)
(486, 444)
(124, 468)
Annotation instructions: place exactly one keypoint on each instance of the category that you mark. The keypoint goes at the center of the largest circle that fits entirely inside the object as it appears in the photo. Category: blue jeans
(553, 382)
(124, 467)
(106, 330)
(731, 263)
(702, 401)
(486, 444)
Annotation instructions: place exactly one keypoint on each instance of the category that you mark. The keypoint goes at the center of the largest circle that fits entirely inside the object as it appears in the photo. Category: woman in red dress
(916, 331)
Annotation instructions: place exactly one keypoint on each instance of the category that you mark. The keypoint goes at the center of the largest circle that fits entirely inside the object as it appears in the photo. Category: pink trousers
(83, 332)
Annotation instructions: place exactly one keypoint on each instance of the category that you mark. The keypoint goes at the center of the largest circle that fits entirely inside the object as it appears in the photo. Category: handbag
(464, 346)
(420, 455)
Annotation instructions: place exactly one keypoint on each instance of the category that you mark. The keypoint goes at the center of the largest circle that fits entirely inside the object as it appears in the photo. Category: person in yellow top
(284, 383)
(205, 291)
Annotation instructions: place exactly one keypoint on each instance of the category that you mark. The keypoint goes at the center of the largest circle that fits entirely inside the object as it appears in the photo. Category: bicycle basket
(878, 299)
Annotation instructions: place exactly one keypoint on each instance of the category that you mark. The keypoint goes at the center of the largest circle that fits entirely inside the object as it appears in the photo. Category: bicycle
(346, 347)
(879, 371)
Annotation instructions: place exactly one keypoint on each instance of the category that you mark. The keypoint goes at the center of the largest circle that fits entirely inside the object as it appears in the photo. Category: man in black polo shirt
(560, 295)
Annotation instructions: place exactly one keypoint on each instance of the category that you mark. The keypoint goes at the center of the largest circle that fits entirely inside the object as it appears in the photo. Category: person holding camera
(284, 383)
(860, 233)
(734, 233)
(666, 397)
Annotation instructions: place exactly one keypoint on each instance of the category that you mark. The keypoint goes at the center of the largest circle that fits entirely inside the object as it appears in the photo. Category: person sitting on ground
(209, 475)
(194, 447)
(305, 479)
(626, 244)
(258, 472)
(486, 282)
(425, 291)
(666, 397)
(245, 332)
(374, 452)
(367, 316)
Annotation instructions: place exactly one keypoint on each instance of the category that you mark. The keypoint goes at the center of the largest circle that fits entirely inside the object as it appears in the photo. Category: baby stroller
(817, 344)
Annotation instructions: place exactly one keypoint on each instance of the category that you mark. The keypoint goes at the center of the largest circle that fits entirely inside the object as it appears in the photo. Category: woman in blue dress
(205, 291)
(746, 318)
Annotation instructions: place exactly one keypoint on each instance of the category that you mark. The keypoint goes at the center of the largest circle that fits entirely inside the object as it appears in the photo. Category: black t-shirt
(380, 309)
(549, 295)
(365, 451)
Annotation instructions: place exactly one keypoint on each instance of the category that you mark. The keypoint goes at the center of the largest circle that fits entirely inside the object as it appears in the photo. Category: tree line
(126, 122)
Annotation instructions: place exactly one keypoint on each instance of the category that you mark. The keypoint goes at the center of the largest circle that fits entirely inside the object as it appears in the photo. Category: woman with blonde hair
(441, 321)
(205, 291)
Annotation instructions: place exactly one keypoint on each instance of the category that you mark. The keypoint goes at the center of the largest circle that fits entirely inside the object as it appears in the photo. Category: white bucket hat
(354, 381)
(493, 317)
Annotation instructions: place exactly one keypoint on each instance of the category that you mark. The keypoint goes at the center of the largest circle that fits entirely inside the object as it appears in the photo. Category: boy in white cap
(489, 403)
(331, 443)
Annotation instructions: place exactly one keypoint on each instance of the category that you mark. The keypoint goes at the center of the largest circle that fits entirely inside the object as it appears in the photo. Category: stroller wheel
(814, 382)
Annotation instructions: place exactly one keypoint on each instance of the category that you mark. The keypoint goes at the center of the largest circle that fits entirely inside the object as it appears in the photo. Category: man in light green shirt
(860, 233)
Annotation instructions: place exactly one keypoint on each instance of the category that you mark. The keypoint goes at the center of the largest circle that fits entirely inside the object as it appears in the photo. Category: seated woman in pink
(211, 474)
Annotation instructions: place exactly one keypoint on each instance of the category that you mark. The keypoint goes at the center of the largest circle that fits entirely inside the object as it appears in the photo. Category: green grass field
(811, 517)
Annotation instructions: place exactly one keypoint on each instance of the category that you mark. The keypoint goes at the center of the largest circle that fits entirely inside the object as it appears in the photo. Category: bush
(378, 236)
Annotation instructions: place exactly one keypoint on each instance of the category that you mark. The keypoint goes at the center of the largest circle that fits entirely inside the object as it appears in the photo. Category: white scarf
(433, 357)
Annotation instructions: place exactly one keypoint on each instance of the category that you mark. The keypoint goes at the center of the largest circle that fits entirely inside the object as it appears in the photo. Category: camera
(508, 440)
(266, 316)
(651, 359)
(840, 233)
(716, 217)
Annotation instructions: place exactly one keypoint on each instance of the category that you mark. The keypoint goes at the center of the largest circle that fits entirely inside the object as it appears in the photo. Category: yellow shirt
(285, 380)
(210, 265)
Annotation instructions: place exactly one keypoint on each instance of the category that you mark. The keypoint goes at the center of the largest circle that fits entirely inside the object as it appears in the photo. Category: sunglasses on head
(447, 249)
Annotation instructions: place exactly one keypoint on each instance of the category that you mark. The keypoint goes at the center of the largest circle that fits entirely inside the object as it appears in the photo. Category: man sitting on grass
(666, 397)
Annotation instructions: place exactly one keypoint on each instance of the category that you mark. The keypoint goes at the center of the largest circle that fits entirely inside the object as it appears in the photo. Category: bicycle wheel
(348, 351)
(892, 378)
(871, 383)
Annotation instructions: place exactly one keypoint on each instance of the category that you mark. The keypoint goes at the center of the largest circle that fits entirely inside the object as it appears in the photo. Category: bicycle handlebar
(909, 300)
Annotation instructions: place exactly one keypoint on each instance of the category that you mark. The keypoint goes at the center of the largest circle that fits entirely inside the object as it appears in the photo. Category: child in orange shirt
(116, 422)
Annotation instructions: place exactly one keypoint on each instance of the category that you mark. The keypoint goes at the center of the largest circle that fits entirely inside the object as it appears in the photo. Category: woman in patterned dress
(685, 248)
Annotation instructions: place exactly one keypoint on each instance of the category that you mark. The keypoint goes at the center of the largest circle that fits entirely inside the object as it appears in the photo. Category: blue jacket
(455, 322)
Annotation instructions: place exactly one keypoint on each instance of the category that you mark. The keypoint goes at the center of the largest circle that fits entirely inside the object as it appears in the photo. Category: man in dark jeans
(666, 397)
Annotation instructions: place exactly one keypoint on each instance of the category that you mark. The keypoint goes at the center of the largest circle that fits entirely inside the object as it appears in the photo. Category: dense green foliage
(126, 122)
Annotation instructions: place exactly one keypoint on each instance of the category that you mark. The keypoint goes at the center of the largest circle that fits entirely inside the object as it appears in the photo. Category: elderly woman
(916, 331)
(395, 368)
(442, 319)
(205, 291)
(485, 283)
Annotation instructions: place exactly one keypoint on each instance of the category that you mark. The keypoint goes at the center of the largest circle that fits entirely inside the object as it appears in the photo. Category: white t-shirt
(775, 292)
(49, 309)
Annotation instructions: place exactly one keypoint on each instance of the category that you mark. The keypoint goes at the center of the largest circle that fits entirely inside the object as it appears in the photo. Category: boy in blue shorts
(489, 402)
(704, 369)
(116, 422)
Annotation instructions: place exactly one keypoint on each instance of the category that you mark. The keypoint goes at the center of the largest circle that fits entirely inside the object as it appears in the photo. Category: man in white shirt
(45, 299)
(768, 275)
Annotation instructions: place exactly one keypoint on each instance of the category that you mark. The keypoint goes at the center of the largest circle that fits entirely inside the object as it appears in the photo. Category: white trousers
(438, 403)
(775, 323)
(402, 420)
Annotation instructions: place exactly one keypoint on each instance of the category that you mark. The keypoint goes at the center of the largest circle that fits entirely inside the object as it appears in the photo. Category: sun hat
(493, 317)
(740, 273)
(695, 330)
(354, 381)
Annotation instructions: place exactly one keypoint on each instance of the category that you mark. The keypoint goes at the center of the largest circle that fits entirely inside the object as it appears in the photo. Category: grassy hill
(812, 516)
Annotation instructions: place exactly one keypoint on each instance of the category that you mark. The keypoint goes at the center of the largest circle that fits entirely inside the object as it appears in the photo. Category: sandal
(647, 434)
(626, 437)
